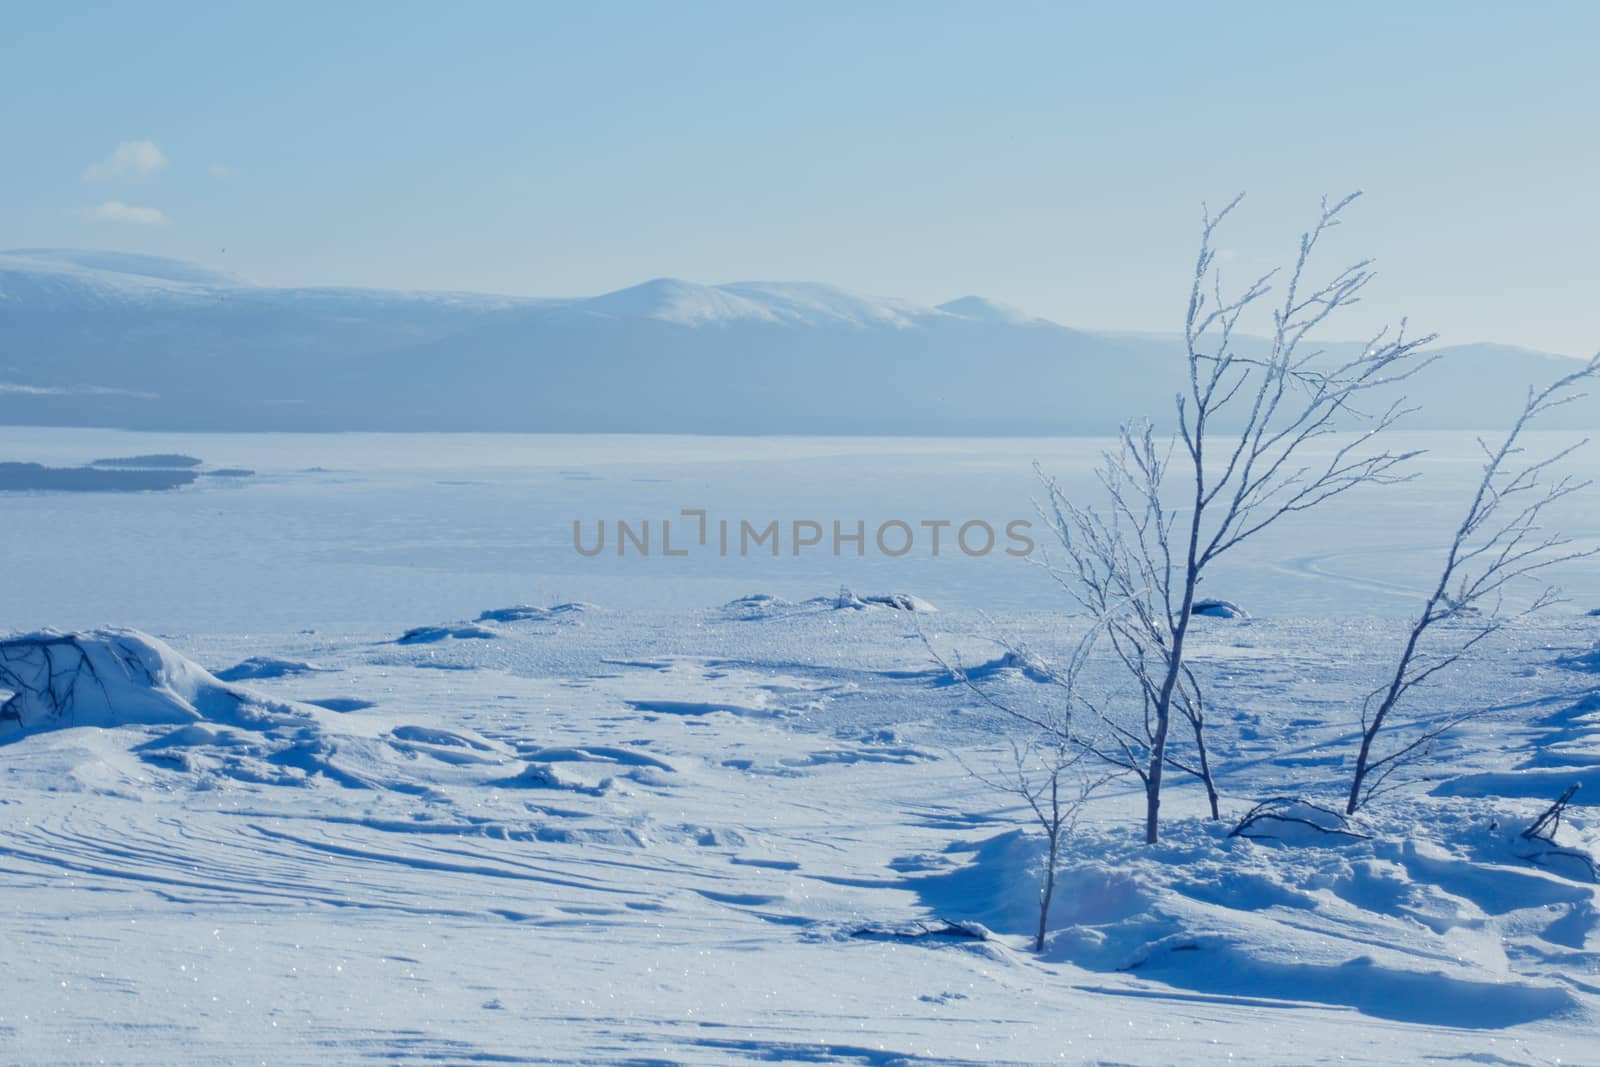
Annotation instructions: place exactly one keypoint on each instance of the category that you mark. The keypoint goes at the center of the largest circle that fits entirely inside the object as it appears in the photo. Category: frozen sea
(347, 533)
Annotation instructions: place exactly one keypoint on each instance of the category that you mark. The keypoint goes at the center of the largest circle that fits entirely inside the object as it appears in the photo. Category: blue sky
(1052, 156)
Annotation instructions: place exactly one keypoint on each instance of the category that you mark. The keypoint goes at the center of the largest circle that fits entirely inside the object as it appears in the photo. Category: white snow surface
(668, 823)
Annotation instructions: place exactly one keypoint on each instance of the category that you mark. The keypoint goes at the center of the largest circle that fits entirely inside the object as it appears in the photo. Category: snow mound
(1219, 609)
(1016, 661)
(1452, 932)
(548, 776)
(483, 627)
(1575, 863)
(105, 678)
(258, 668)
(758, 606)
(569, 612)
(427, 635)
(934, 930)
(343, 705)
(1294, 820)
(848, 601)
(767, 606)
(112, 679)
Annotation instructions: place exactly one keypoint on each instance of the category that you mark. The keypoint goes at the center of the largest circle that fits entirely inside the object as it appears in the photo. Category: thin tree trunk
(1361, 772)
(1047, 892)
(1158, 746)
(1389, 700)
(1205, 767)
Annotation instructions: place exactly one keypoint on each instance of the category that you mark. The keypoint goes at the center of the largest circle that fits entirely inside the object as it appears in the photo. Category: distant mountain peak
(982, 309)
(111, 339)
(112, 275)
(670, 300)
(778, 303)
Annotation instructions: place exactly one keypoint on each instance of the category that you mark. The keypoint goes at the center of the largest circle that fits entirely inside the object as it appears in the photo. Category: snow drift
(1466, 933)
(116, 678)
(105, 678)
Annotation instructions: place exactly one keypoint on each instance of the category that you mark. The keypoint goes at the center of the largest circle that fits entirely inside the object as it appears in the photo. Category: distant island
(157, 461)
(36, 476)
(156, 472)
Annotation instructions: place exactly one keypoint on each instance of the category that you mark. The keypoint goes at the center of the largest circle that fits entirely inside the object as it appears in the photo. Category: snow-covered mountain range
(142, 342)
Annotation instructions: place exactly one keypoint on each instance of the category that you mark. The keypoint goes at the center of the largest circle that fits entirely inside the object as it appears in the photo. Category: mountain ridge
(142, 342)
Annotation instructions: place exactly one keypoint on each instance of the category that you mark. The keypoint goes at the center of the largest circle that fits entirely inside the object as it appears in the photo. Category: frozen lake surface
(354, 803)
(350, 532)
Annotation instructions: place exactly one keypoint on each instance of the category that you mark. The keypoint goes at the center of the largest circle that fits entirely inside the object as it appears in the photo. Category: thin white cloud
(221, 170)
(117, 211)
(132, 159)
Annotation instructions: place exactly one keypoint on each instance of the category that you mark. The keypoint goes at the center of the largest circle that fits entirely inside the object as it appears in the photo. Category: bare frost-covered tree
(1259, 438)
(1050, 767)
(1048, 774)
(1501, 540)
(1128, 744)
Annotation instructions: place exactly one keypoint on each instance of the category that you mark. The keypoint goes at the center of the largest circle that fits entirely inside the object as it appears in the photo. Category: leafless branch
(1500, 540)
(1255, 443)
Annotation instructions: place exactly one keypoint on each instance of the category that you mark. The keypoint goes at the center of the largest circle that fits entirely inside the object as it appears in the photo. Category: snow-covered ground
(366, 814)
